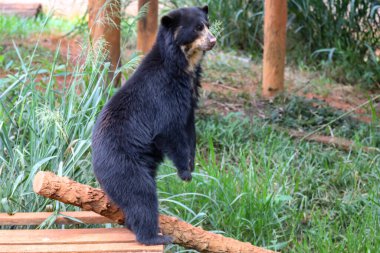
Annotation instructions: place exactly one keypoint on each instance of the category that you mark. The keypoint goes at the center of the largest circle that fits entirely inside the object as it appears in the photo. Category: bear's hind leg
(136, 195)
(142, 213)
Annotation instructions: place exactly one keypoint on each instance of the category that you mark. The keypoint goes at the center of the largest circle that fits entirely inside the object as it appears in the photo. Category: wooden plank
(87, 217)
(66, 236)
(82, 248)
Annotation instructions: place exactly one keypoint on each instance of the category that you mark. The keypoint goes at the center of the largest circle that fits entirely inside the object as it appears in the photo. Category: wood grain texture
(68, 240)
(37, 218)
(66, 236)
(81, 248)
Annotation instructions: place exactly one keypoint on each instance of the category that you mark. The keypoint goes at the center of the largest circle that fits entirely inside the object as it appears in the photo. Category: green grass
(21, 28)
(310, 114)
(252, 181)
(15, 33)
(261, 186)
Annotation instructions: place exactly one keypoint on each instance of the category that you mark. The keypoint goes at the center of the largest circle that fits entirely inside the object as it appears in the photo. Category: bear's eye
(199, 28)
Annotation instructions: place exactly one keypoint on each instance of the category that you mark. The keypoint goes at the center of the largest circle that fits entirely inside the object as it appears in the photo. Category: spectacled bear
(150, 117)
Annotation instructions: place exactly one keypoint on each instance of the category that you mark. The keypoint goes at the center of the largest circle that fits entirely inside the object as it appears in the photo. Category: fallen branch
(371, 100)
(23, 10)
(68, 191)
(338, 142)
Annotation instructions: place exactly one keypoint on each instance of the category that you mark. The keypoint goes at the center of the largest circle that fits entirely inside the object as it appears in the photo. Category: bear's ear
(205, 9)
(168, 20)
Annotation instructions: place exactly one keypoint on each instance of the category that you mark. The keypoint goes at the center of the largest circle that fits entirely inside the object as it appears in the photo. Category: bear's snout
(211, 41)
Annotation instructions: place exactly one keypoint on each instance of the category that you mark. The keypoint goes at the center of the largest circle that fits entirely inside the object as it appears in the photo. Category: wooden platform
(68, 240)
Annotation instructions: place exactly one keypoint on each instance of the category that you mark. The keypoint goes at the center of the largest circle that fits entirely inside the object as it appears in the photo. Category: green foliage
(349, 22)
(47, 110)
(9, 58)
(341, 35)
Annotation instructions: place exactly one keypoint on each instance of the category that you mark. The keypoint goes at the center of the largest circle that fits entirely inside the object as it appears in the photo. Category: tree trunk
(275, 19)
(147, 26)
(104, 22)
(67, 191)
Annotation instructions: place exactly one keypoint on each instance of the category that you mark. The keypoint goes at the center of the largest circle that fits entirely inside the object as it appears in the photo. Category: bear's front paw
(185, 175)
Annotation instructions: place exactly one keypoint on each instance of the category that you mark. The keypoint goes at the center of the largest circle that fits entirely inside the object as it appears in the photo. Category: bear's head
(190, 29)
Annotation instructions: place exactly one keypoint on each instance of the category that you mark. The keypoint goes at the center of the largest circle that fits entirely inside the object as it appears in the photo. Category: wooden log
(23, 10)
(275, 19)
(104, 22)
(68, 191)
(147, 26)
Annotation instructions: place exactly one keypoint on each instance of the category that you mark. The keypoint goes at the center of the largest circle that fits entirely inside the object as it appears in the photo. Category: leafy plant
(340, 35)
(47, 111)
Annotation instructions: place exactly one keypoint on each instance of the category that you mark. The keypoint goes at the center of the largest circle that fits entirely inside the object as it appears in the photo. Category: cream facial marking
(194, 51)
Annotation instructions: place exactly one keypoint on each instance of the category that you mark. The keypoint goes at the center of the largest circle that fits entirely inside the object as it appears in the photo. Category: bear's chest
(178, 102)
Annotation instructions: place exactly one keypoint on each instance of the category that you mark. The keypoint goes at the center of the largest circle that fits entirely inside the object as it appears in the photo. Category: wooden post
(275, 19)
(104, 22)
(147, 26)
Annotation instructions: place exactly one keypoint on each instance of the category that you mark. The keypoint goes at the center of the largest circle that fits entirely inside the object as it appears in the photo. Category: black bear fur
(152, 116)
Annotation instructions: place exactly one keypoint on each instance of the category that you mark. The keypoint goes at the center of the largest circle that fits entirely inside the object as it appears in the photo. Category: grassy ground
(253, 181)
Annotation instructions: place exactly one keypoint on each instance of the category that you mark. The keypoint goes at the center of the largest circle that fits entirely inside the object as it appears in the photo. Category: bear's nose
(212, 41)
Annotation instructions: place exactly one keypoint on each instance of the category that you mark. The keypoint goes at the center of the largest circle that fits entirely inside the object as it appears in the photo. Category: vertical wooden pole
(104, 22)
(147, 26)
(275, 19)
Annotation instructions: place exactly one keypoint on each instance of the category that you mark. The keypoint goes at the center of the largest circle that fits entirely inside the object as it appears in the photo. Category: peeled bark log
(68, 191)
